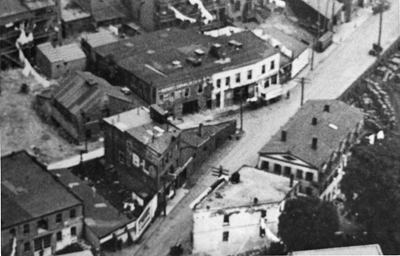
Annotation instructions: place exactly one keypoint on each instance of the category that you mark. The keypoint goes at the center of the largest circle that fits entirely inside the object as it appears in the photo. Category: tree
(372, 188)
(308, 223)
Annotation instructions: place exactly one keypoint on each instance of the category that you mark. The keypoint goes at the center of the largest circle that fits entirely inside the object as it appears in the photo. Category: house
(242, 214)
(314, 14)
(197, 144)
(59, 60)
(28, 22)
(143, 149)
(184, 71)
(370, 249)
(314, 146)
(82, 100)
(39, 216)
(295, 55)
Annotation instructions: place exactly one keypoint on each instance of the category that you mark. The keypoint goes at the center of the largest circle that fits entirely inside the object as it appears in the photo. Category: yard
(20, 126)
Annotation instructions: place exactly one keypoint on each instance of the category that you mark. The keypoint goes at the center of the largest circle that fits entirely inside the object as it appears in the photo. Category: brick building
(39, 216)
(314, 146)
(184, 71)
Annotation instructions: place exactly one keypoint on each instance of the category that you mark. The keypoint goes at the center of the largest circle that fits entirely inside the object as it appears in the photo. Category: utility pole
(380, 29)
(303, 82)
(241, 110)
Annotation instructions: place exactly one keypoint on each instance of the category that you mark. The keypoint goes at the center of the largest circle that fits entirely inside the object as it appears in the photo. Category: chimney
(200, 132)
(326, 108)
(153, 138)
(283, 135)
(314, 121)
(255, 200)
(291, 180)
(314, 143)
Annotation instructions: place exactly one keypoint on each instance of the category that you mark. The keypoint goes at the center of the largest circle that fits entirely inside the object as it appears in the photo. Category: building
(197, 144)
(39, 216)
(143, 149)
(59, 60)
(370, 249)
(314, 146)
(90, 41)
(295, 55)
(184, 71)
(28, 22)
(74, 19)
(82, 101)
(240, 215)
(317, 13)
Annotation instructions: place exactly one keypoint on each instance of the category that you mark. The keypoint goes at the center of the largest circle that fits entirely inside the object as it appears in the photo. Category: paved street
(331, 76)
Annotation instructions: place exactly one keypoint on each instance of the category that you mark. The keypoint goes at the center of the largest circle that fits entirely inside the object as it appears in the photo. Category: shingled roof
(331, 128)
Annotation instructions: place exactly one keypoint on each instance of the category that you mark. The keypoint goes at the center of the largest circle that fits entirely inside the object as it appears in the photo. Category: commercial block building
(314, 146)
(39, 216)
(241, 215)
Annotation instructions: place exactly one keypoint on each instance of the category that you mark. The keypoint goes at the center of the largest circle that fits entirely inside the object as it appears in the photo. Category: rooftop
(103, 37)
(254, 183)
(70, 11)
(14, 7)
(162, 57)
(25, 183)
(64, 53)
(371, 249)
(324, 7)
(191, 136)
(83, 91)
(331, 128)
(100, 216)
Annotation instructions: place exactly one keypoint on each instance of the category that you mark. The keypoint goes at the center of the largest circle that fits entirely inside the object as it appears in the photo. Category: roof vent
(193, 61)
(150, 52)
(176, 63)
(334, 127)
(326, 108)
(314, 143)
(199, 52)
(164, 35)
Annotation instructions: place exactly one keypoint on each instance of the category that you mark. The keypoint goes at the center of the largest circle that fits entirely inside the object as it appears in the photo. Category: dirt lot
(20, 126)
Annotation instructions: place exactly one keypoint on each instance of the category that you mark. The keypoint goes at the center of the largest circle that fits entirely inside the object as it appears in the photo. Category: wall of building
(70, 126)
(300, 62)
(243, 228)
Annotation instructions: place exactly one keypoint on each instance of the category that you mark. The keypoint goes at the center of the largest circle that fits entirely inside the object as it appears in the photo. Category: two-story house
(314, 146)
(39, 216)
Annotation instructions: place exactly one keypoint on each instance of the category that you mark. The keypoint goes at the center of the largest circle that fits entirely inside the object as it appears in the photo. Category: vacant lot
(20, 126)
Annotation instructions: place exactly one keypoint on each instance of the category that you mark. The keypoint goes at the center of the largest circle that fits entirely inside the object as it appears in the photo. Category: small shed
(56, 61)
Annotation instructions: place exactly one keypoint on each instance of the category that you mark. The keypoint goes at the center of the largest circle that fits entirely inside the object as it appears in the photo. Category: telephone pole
(380, 29)
(303, 82)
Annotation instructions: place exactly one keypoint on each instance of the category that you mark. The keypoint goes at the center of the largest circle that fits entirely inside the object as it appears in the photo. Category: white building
(314, 146)
(241, 215)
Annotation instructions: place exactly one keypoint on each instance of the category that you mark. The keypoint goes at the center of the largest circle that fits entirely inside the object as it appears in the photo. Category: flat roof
(64, 53)
(161, 57)
(70, 11)
(331, 128)
(103, 37)
(29, 191)
(254, 183)
(101, 217)
(370, 249)
(129, 119)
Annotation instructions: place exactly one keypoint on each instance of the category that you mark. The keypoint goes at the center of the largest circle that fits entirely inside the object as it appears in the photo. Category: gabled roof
(64, 53)
(151, 56)
(300, 131)
(370, 249)
(29, 191)
(101, 217)
(325, 7)
(83, 91)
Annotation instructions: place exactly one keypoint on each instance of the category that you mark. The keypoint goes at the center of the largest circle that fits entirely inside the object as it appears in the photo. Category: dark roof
(138, 182)
(101, 217)
(191, 136)
(14, 7)
(289, 42)
(83, 91)
(107, 10)
(300, 131)
(150, 56)
(29, 191)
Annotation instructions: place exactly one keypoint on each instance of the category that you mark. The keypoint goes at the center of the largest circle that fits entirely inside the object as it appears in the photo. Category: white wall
(300, 62)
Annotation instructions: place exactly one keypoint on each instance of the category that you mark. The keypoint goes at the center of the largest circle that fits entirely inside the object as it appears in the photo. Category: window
(200, 88)
(265, 165)
(263, 213)
(73, 231)
(218, 83)
(121, 157)
(272, 64)
(266, 84)
(249, 74)
(26, 229)
(228, 81)
(277, 169)
(287, 171)
(309, 176)
(58, 218)
(299, 174)
(225, 236)
(226, 219)
(12, 232)
(72, 213)
(238, 78)
(274, 79)
(187, 92)
(59, 236)
(27, 247)
(161, 97)
(263, 69)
